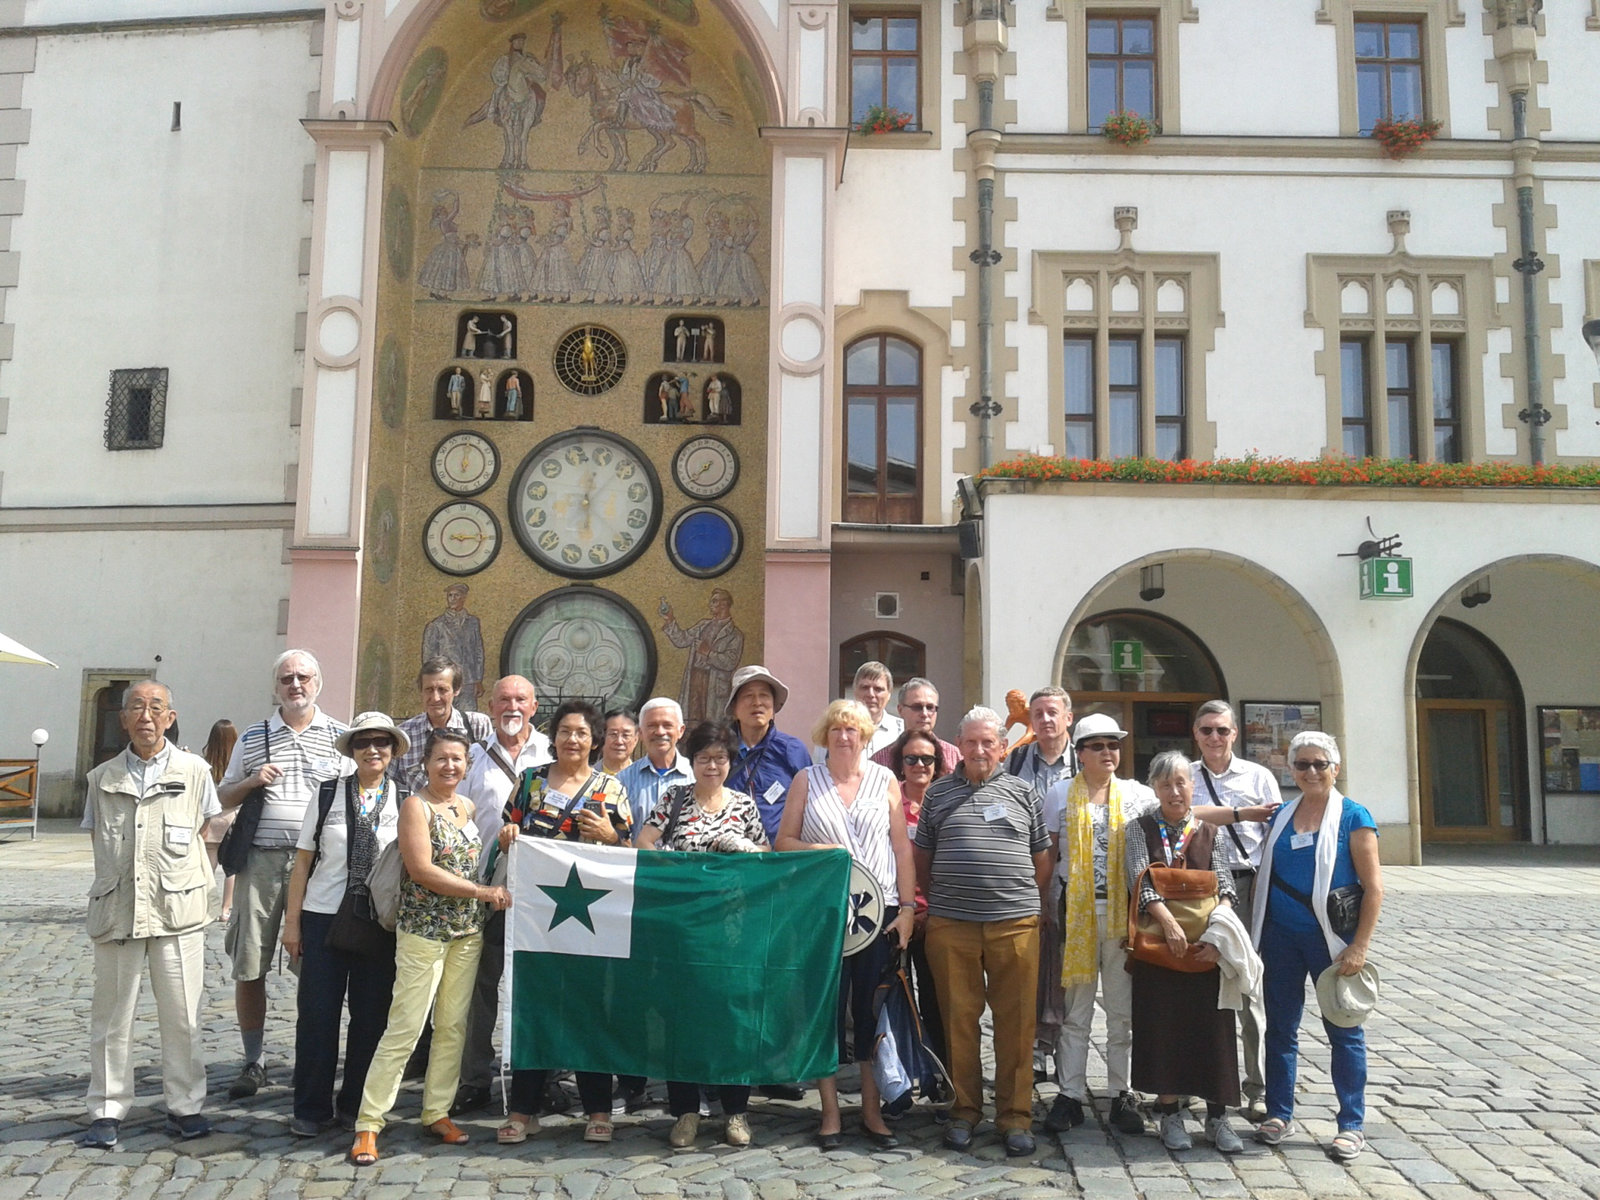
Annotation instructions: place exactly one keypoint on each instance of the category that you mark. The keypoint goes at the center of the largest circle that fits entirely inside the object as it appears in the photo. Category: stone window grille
(136, 410)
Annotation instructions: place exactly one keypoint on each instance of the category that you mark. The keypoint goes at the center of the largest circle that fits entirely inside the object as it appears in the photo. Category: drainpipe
(1516, 46)
(984, 40)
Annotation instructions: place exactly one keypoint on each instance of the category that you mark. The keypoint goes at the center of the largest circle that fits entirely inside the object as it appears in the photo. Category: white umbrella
(16, 652)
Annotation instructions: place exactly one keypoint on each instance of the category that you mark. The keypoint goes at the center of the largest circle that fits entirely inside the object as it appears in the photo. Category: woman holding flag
(850, 803)
(567, 799)
(705, 816)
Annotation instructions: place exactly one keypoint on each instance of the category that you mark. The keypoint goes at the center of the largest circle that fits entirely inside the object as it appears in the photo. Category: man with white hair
(496, 766)
(286, 757)
(983, 861)
(661, 766)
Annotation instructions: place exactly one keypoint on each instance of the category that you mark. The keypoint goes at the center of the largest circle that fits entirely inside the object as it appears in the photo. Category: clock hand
(469, 537)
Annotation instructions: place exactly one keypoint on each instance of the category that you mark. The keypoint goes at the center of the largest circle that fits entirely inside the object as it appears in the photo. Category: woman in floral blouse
(438, 938)
(706, 817)
(572, 800)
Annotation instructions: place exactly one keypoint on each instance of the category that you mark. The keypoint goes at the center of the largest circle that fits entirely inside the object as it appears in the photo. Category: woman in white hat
(1089, 846)
(1320, 843)
(354, 818)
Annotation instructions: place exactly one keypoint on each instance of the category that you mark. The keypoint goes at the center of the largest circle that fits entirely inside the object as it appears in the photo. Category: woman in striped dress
(849, 803)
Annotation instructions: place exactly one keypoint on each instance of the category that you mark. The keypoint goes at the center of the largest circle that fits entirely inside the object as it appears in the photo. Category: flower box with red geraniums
(1322, 472)
(1127, 129)
(1404, 136)
(883, 119)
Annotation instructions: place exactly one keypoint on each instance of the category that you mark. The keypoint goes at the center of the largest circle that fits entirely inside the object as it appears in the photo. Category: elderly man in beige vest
(148, 908)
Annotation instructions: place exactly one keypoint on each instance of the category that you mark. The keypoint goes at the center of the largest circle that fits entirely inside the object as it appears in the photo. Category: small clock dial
(585, 503)
(705, 467)
(461, 538)
(704, 541)
(589, 360)
(464, 464)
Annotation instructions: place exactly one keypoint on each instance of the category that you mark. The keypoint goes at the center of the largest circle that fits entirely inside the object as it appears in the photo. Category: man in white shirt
(661, 767)
(1223, 780)
(288, 755)
(497, 764)
(872, 688)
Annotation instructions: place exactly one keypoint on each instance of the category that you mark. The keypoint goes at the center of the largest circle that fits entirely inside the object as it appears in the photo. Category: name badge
(995, 812)
(179, 835)
(774, 793)
(1300, 841)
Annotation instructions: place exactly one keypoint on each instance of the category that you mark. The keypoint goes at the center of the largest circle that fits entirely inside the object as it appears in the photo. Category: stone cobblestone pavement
(1484, 1081)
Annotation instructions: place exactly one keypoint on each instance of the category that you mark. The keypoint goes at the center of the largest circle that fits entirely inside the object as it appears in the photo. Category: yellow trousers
(426, 973)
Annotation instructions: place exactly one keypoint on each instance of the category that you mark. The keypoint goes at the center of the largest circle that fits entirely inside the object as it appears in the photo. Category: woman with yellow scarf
(1089, 847)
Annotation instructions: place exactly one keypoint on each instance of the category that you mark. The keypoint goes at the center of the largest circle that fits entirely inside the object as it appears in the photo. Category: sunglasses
(1214, 731)
(1098, 747)
(382, 741)
(1309, 765)
(919, 760)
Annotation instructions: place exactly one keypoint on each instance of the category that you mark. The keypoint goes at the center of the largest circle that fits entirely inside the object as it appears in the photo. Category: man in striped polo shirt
(289, 755)
(982, 860)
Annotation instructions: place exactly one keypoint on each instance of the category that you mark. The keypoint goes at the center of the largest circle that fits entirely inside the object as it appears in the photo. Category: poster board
(1269, 725)
(1569, 744)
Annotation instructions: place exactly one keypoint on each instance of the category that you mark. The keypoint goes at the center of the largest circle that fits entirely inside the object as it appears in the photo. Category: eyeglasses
(381, 741)
(1214, 731)
(1316, 766)
(286, 680)
(139, 708)
(1098, 747)
(923, 707)
(621, 735)
(710, 762)
(918, 760)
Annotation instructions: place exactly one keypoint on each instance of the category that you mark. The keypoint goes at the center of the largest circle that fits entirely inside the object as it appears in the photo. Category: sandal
(515, 1130)
(365, 1151)
(599, 1129)
(448, 1132)
(1273, 1130)
(1348, 1144)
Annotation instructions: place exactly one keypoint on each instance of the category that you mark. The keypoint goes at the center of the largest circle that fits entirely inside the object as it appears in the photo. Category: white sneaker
(1173, 1135)
(1222, 1135)
(684, 1130)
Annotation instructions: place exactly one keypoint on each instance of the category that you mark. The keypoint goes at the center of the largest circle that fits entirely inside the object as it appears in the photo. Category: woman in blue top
(1315, 844)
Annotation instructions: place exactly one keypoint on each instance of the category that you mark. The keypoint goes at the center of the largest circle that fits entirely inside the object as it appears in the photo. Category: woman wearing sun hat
(1319, 843)
(354, 818)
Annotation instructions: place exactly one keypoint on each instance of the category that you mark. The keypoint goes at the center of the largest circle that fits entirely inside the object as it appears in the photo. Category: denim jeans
(326, 977)
(1288, 958)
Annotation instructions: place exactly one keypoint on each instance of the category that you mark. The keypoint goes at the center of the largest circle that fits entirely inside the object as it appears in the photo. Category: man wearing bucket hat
(766, 765)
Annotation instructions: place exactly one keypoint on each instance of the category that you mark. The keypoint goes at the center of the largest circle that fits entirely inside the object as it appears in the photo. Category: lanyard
(1183, 840)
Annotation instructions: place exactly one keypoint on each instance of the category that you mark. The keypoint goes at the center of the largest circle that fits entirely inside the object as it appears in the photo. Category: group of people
(1011, 881)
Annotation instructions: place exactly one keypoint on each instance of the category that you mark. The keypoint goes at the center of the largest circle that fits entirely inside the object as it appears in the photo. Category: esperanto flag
(709, 968)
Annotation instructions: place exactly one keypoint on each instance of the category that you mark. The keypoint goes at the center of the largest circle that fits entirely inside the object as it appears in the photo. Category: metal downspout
(1528, 266)
(985, 257)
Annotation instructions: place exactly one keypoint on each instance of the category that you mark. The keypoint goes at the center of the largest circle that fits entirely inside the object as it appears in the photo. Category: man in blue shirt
(661, 767)
(768, 760)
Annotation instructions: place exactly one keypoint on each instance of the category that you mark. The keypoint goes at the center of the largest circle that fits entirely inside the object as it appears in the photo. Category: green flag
(707, 968)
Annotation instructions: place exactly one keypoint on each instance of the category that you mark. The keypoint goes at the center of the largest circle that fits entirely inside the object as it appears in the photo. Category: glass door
(1467, 789)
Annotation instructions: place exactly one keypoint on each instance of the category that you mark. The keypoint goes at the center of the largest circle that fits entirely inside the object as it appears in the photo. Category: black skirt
(1183, 1044)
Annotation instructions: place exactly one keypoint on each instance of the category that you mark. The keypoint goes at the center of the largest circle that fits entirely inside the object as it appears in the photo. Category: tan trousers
(177, 981)
(426, 973)
(995, 963)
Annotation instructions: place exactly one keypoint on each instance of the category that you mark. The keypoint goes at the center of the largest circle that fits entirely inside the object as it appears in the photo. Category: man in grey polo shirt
(982, 860)
(1238, 795)
(289, 755)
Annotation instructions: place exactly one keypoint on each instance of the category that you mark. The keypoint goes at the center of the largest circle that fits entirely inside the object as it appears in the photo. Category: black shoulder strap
(499, 760)
(1293, 893)
(680, 797)
(1016, 758)
(1205, 773)
(325, 794)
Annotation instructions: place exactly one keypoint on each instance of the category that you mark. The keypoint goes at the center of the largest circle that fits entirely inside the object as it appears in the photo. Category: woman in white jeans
(1089, 846)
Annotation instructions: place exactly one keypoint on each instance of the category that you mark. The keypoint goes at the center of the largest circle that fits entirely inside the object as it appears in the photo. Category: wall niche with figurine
(482, 393)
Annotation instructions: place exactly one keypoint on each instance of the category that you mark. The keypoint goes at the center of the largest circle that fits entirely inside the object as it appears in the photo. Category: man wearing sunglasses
(1242, 796)
(288, 756)
(919, 709)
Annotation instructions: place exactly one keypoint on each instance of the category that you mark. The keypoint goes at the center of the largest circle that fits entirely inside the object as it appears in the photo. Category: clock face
(585, 503)
(590, 360)
(461, 538)
(582, 642)
(704, 541)
(705, 467)
(464, 464)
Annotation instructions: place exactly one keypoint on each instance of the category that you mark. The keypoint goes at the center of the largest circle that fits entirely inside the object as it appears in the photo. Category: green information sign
(1127, 656)
(1386, 579)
